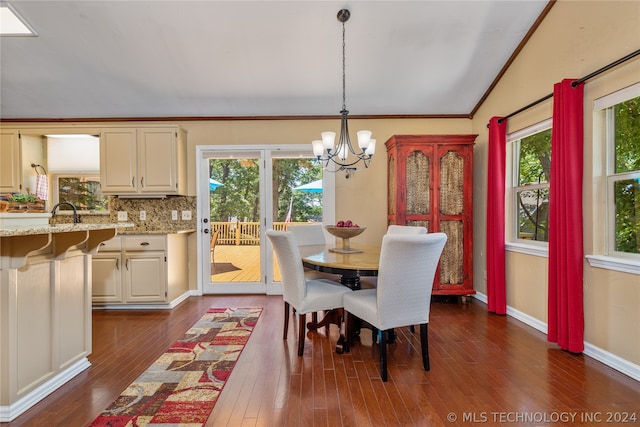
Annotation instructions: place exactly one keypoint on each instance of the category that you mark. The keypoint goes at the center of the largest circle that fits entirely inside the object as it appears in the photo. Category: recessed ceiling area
(121, 59)
(11, 24)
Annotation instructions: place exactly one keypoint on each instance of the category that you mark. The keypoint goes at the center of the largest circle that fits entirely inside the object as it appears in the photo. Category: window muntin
(623, 177)
(532, 167)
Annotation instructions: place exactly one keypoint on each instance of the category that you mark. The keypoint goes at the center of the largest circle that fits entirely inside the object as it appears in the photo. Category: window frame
(606, 256)
(513, 243)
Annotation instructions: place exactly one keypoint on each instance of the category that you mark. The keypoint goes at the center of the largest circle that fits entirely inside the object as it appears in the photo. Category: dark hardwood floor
(485, 370)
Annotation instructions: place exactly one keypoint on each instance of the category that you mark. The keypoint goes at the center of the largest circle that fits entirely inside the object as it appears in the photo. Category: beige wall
(362, 198)
(576, 38)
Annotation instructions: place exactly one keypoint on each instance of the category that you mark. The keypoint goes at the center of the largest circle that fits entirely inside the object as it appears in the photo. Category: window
(83, 191)
(623, 176)
(76, 177)
(530, 182)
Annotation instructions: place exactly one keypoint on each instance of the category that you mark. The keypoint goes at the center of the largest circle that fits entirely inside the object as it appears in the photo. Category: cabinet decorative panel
(10, 162)
(430, 185)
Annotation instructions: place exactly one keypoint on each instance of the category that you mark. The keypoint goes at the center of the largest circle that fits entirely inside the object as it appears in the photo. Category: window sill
(541, 251)
(613, 263)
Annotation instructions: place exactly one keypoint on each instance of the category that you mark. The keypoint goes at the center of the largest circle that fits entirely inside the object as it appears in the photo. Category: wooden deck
(237, 264)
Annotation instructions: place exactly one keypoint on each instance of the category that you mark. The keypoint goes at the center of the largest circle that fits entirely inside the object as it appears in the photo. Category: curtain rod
(574, 84)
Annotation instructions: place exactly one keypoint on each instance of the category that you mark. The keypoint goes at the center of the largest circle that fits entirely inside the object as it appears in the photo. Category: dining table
(348, 266)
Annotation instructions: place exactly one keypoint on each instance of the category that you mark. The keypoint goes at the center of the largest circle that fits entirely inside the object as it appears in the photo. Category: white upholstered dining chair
(311, 235)
(372, 281)
(406, 229)
(408, 264)
(304, 295)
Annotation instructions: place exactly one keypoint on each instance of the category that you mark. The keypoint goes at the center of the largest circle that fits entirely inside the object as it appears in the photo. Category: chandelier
(344, 157)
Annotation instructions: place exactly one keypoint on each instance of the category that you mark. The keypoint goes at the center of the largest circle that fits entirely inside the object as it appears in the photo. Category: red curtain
(496, 276)
(566, 311)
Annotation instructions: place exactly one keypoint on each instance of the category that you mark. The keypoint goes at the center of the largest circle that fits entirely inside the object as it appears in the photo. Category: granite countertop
(59, 228)
(137, 231)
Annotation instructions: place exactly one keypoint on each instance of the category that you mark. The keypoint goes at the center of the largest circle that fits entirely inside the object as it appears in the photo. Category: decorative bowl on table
(344, 233)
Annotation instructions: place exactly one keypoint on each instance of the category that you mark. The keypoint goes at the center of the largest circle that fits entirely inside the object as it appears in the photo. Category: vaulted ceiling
(122, 59)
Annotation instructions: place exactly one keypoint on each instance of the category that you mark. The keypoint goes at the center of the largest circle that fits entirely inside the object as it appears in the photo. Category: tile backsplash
(158, 214)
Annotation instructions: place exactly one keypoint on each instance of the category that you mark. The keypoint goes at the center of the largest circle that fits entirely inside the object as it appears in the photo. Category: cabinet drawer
(144, 243)
(111, 245)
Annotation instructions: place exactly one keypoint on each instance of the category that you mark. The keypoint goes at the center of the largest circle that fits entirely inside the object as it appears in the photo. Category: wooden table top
(319, 255)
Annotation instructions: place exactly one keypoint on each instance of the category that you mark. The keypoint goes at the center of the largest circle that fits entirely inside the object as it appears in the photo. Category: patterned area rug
(183, 385)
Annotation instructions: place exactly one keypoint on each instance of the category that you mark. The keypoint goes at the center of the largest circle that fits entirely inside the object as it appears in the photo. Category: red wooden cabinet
(430, 183)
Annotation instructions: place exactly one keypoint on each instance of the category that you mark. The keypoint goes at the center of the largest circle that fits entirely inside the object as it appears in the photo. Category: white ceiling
(98, 59)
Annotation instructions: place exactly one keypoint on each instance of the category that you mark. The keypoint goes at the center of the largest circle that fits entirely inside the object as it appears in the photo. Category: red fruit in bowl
(348, 223)
(355, 226)
(340, 224)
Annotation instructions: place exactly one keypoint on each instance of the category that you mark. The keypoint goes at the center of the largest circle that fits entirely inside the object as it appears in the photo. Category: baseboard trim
(11, 412)
(615, 362)
(165, 306)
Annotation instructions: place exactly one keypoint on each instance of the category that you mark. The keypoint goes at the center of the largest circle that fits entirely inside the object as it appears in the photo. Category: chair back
(308, 234)
(406, 229)
(214, 239)
(290, 262)
(408, 264)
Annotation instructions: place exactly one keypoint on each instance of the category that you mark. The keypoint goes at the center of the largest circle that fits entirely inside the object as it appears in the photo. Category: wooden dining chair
(301, 294)
(212, 247)
(408, 264)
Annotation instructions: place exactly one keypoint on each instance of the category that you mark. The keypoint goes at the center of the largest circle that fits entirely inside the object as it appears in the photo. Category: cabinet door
(157, 161)
(10, 162)
(118, 161)
(107, 278)
(145, 276)
(454, 216)
(417, 186)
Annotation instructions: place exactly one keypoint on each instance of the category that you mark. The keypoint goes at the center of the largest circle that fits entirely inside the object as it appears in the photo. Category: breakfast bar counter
(45, 308)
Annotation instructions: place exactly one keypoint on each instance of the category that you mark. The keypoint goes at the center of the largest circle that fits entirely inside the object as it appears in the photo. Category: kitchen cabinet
(10, 162)
(106, 274)
(430, 184)
(140, 269)
(143, 161)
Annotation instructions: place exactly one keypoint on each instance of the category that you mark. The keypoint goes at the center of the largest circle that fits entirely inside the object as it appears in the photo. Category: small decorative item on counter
(19, 202)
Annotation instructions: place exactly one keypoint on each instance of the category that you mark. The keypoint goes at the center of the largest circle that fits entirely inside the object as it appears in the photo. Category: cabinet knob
(144, 244)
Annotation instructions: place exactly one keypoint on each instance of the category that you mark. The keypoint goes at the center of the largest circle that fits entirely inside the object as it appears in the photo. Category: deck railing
(243, 233)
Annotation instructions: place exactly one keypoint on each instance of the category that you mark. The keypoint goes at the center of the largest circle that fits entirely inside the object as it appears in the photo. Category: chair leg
(424, 343)
(302, 328)
(348, 330)
(383, 355)
(286, 319)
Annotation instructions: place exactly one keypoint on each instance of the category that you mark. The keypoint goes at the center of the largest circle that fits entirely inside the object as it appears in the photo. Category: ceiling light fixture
(344, 157)
(12, 24)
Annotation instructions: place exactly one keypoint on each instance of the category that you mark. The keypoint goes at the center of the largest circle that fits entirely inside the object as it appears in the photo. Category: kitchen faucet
(76, 218)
